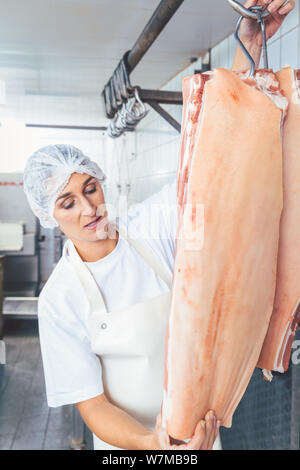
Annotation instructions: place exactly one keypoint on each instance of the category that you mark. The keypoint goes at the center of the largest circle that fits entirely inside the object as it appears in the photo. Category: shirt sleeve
(72, 371)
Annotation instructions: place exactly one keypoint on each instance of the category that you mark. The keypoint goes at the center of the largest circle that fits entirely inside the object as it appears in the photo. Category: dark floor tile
(29, 357)
(56, 440)
(12, 350)
(88, 439)
(6, 441)
(60, 418)
(14, 395)
(32, 424)
(35, 406)
(26, 422)
(4, 377)
(28, 440)
(17, 391)
(36, 400)
(9, 425)
(10, 405)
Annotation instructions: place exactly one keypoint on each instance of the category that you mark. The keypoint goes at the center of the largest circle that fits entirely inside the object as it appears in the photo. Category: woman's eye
(68, 206)
(90, 189)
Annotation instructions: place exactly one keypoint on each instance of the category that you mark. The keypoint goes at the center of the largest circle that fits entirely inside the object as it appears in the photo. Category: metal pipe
(76, 439)
(164, 114)
(155, 25)
(161, 96)
(55, 126)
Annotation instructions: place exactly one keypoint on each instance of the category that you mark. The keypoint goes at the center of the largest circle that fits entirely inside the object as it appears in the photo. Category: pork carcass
(230, 202)
(276, 351)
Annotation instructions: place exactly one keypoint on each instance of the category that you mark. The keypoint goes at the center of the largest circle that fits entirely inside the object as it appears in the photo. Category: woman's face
(80, 209)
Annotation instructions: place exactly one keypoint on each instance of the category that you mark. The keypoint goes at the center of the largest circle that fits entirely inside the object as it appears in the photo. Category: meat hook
(258, 13)
(246, 12)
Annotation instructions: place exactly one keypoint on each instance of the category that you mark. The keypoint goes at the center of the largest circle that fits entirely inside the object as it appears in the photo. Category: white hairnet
(46, 174)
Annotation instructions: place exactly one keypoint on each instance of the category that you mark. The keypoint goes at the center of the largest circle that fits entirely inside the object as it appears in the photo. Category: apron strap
(86, 279)
(150, 257)
(90, 285)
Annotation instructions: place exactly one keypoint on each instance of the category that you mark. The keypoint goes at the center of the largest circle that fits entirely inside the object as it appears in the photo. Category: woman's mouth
(92, 225)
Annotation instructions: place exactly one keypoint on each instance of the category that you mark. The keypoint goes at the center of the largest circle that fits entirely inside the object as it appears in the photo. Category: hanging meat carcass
(276, 351)
(230, 202)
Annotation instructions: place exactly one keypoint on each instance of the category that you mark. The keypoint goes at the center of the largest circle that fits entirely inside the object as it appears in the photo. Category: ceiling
(73, 46)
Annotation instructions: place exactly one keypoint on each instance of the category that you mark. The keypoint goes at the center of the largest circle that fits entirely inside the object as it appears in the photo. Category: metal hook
(264, 37)
(128, 116)
(258, 13)
(246, 12)
(237, 37)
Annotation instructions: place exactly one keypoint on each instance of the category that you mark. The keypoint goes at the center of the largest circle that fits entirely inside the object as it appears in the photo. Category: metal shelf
(20, 307)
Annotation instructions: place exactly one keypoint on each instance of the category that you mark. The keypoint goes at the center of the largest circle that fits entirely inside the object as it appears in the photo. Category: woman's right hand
(203, 439)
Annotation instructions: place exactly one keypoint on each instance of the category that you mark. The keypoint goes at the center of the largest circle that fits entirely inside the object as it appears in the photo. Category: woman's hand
(250, 30)
(203, 439)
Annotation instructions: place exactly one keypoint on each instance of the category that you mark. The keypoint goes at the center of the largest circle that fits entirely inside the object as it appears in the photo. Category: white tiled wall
(17, 142)
(157, 146)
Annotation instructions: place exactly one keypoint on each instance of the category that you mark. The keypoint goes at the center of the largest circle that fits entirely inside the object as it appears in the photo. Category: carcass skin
(224, 285)
(276, 351)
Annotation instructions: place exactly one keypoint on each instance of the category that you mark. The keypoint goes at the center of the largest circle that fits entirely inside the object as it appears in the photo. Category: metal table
(20, 307)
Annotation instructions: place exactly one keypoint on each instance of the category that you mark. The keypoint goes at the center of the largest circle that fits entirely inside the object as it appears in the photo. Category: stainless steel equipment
(28, 254)
(2, 344)
(21, 266)
(30, 251)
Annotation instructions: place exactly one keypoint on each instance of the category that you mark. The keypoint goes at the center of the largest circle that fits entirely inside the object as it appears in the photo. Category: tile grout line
(46, 429)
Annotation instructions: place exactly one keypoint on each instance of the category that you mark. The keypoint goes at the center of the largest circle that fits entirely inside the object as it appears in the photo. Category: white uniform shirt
(72, 371)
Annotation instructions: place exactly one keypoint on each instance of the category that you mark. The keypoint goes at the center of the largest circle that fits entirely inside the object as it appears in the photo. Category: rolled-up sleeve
(72, 371)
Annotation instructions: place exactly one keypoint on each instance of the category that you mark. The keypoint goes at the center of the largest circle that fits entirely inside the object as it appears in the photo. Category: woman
(103, 312)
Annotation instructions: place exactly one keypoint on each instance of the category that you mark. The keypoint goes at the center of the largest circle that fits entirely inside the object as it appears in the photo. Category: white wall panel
(274, 55)
(292, 20)
(289, 49)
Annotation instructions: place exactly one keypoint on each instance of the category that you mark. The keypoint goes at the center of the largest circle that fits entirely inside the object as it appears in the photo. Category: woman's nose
(87, 208)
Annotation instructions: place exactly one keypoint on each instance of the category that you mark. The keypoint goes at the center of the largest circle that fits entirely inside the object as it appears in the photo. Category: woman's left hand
(250, 30)
(204, 436)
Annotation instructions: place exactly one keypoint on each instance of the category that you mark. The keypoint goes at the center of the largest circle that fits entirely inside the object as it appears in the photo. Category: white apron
(130, 343)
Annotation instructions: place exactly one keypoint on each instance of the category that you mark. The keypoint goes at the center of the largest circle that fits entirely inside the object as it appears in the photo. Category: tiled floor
(26, 422)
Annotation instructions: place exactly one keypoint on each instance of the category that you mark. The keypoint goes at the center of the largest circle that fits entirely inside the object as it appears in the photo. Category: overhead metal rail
(57, 126)
(123, 103)
(154, 27)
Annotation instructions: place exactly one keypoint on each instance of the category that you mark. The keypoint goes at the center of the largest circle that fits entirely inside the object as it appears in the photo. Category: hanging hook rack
(123, 103)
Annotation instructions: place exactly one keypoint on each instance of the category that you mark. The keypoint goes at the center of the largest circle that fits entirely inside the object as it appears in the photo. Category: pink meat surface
(230, 202)
(276, 351)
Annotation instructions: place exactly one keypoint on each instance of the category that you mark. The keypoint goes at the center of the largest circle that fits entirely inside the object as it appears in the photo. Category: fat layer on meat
(229, 206)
